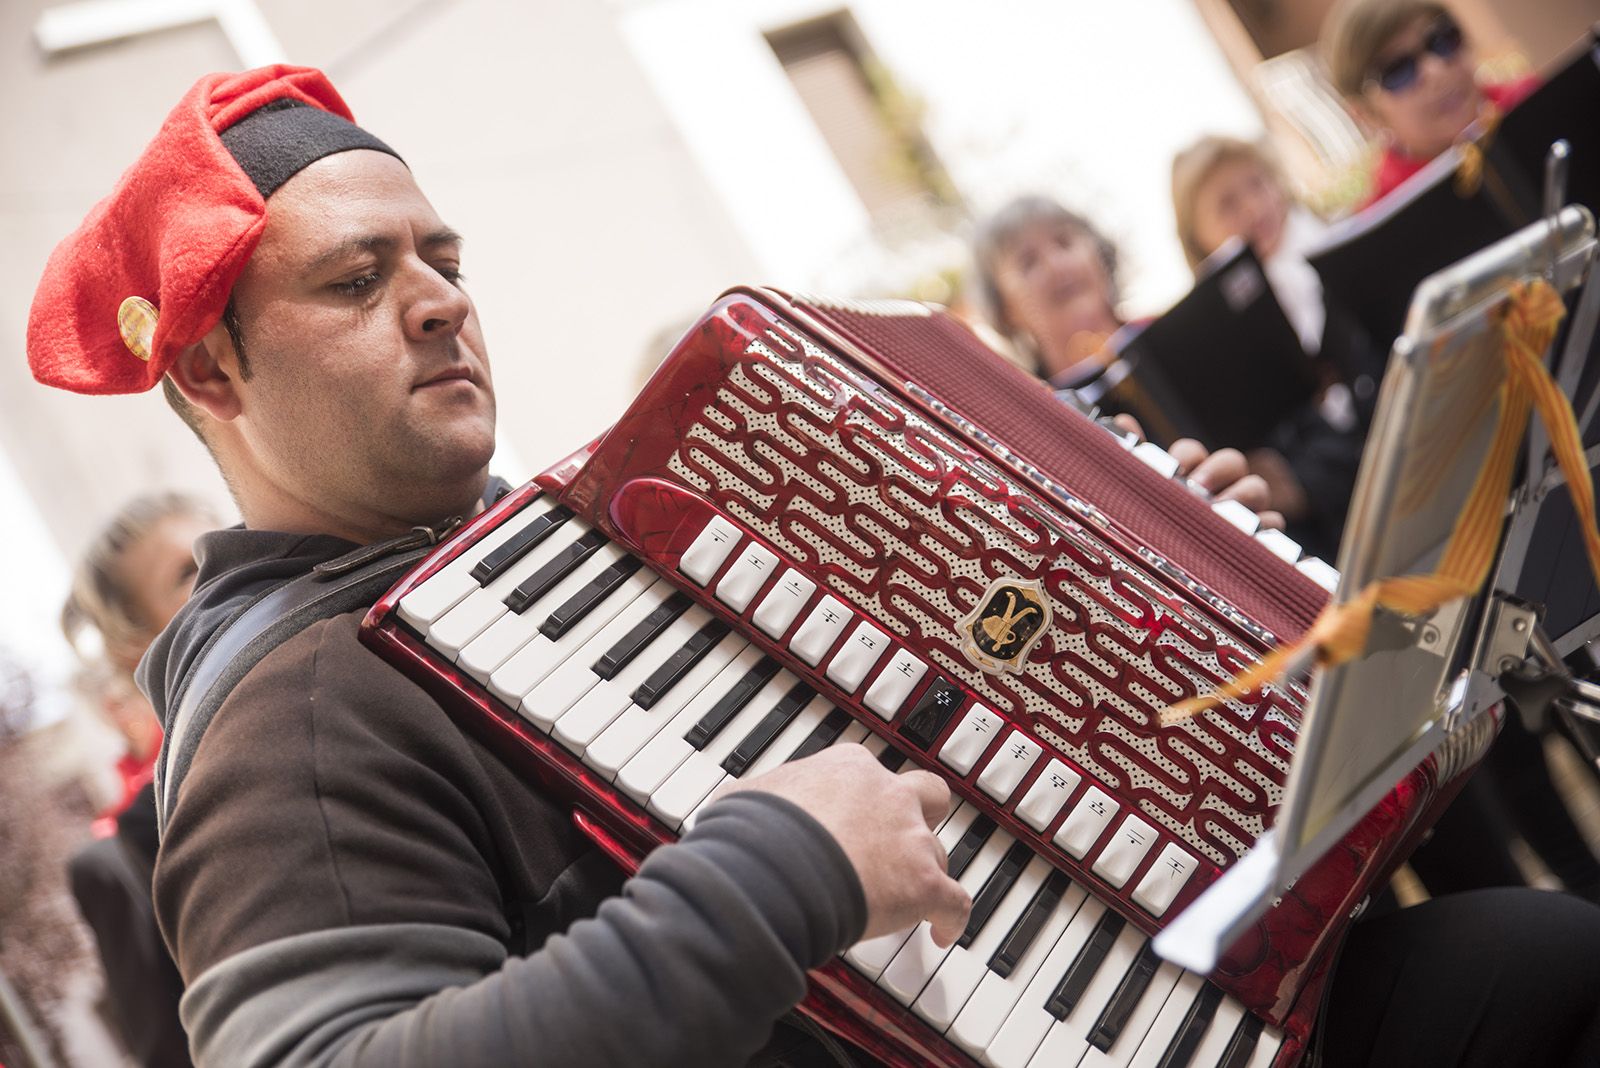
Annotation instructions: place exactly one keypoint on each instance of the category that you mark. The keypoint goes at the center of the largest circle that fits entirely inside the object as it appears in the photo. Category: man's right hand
(884, 823)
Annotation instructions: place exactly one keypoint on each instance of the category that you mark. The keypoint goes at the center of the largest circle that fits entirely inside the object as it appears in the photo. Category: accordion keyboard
(667, 700)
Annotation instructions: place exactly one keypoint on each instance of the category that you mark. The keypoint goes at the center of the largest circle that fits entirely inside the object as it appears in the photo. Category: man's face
(369, 396)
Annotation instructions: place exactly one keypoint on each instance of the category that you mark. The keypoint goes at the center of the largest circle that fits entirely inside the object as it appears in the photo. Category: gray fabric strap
(262, 626)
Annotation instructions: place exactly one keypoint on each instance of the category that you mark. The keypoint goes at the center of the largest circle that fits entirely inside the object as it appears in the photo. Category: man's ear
(206, 373)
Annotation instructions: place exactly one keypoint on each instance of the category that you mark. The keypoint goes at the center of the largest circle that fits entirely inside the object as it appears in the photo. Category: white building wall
(1084, 100)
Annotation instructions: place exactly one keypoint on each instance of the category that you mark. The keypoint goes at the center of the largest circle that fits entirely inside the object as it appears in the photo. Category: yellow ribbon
(1528, 325)
(1469, 172)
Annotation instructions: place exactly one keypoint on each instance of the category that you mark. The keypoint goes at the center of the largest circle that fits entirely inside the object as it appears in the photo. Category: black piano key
(1032, 921)
(1180, 1051)
(1243, 1044)
(969, 844)
(999, 883)
(558, 567)
(644, 632)
(755, 743)
(892, 758)
(933, 710)
(679, 664)
(494, 565)
(732, 703)
(1082, 969)
(823, 735)
(580, 604)
(1115, 1015)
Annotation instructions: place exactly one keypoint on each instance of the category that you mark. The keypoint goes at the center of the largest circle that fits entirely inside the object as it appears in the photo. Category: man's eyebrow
(349, 247)
(374, 243)
(444, 236)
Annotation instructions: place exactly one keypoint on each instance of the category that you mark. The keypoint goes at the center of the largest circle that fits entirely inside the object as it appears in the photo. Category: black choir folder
(1372, 261)
(1223, 366)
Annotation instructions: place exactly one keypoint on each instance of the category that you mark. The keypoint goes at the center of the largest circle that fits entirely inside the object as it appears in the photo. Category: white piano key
(852, 735)
(643, 773)
(1167, 876)
(966, 743)
(919, 958)
(1086, 822)
(702, 772)
(750, 571)
(1219, 1034)
(979, 1020)
(783, 602)
(1266, 1048)
(820, 630)
(891, 688)
(454, 581)
(1019, 1036)
(1047, 794)
(481, 656)
(1068, 1040)
(857, 656)
(1010, 763)
(709, 549)
(565, 686)
(629, 731)
(873, 955)
(453, 630)
(1237, 515)
(1280, 544)
(1138, 1025)
(1157, 458)
(1164, 1028)
(1319, 572)
(964, 968)
(531, 664)
(1125, 851)
(608, 698)
(791, 737)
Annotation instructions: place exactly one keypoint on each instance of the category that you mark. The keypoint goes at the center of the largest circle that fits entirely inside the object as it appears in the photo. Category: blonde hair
(100, 599)
(1193, 166)
(1355, 31)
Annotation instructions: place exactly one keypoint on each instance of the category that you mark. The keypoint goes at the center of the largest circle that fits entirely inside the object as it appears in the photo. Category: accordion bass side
(831, 522)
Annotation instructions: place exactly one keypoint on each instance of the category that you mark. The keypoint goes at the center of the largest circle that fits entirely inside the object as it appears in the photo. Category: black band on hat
(277, 141)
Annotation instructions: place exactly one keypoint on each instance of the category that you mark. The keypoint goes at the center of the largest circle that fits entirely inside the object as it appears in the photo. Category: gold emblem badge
(136, 321)
(999, 633)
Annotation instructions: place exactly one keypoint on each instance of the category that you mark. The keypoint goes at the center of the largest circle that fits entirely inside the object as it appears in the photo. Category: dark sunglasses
(1443, 40)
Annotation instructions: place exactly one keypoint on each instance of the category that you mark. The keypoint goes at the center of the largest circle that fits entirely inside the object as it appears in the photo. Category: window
(872, 127)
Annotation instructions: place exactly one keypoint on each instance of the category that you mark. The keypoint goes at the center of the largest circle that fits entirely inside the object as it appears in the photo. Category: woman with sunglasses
(1406, 68)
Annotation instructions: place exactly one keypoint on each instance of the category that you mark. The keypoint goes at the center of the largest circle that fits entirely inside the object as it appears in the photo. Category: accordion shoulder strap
(260, 627)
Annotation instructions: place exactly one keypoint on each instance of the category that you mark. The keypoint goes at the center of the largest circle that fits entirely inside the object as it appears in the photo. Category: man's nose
(439, 309)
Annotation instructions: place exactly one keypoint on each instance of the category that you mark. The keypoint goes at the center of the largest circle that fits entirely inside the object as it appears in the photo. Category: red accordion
(829, 522)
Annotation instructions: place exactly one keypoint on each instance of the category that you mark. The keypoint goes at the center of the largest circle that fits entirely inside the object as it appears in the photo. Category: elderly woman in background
(1049, 280)
(134, 576)
(1407, 69)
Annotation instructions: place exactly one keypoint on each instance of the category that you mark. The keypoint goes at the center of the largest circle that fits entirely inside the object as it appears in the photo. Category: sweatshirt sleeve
(348, 879)
(692, 964)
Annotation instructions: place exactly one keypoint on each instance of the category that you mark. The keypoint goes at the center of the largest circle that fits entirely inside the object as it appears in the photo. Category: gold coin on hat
(136, 319)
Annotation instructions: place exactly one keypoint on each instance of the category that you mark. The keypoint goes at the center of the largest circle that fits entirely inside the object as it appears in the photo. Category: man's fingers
(1188, 452)
(1250, 491)
(932, 794)
(949, 914)
(1273, 520)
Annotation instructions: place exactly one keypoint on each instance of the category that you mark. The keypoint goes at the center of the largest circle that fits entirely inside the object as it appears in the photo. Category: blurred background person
(1048, 280)
(1407, 69)
(1224, 189)
(134, 576)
